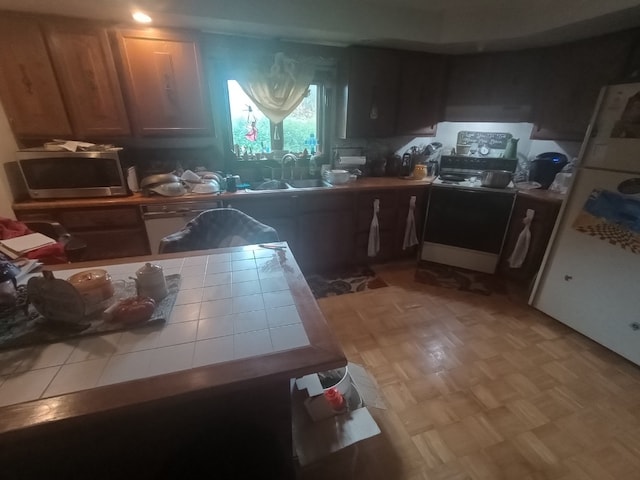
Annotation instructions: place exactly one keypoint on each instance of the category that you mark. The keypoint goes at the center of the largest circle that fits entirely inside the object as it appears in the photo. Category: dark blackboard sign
(494, 140)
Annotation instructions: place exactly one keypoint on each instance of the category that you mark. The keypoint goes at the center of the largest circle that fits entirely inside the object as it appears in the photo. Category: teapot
(150, 282)
(511, 150)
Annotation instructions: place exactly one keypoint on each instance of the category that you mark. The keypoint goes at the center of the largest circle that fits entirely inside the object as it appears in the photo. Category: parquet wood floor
(481, 388)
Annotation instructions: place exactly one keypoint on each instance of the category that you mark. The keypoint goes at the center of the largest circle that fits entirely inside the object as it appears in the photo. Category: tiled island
(244, 323)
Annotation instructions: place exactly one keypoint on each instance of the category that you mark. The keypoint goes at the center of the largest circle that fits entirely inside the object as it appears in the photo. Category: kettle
(150, 282)
(511, 150)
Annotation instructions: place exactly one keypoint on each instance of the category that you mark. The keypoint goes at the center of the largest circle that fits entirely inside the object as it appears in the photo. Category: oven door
(466, 227)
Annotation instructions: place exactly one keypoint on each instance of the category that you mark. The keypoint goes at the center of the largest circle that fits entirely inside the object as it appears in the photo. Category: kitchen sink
(269, 185)
(309, 183)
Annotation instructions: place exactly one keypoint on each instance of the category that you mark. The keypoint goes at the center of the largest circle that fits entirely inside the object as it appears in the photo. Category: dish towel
(374, 231)
(522, 244)
(410, 237)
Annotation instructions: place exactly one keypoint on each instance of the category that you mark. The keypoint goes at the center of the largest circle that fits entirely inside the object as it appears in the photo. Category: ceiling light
(141, 17)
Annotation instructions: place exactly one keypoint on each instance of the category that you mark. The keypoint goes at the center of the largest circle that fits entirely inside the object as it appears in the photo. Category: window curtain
(277, 90)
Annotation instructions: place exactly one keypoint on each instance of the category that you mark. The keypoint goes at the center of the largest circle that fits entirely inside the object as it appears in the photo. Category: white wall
(7, 153)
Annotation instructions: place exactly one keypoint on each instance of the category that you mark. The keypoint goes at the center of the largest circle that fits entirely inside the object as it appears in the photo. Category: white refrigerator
(590, 277)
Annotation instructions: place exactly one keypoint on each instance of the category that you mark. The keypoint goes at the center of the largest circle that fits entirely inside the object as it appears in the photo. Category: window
(252, 130)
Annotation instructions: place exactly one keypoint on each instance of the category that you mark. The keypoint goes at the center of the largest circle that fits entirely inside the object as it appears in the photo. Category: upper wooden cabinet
(28, 85)
(421, 94)
(368, 88)
(569, 80)
(83, 61)
(163, 75)
(495, 87)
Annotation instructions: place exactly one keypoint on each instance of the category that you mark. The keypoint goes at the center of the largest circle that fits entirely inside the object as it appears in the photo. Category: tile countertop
(241, 314)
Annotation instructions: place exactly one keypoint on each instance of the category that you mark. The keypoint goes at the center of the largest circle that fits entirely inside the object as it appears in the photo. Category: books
(18, 246)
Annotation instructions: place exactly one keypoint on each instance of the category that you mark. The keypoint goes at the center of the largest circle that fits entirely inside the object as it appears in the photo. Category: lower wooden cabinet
(110, 232)
(541, 227)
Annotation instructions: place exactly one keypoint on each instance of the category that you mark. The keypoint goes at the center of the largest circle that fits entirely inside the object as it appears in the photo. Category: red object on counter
(335, 399)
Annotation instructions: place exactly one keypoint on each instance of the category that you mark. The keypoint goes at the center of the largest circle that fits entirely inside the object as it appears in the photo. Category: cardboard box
(318, 430)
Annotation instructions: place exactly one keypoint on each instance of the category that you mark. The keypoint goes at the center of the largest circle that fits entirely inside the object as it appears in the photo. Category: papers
(18, 246)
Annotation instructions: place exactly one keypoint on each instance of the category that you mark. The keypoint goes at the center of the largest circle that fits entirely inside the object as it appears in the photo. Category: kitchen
(520, 130)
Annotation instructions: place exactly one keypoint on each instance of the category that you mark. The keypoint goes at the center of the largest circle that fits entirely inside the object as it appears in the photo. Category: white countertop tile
(76, 376)
(123, 368)
(251, 344)
(248, 303)
(279, 316)
(216, 308)
(171, 359)
(249, 321)
(230, 306)
(26, 386)
(289, 336)
(215, 327)
(217, 292)
(244, 276)
(213, 350)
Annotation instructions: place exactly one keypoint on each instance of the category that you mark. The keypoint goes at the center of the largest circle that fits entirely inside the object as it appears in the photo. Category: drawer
(264, 207)
(325, 202)
(100, 218)
(388, 199)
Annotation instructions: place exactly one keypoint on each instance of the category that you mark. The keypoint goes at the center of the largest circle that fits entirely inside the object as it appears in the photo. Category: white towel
(374, 231)
(410, 236)
(521, 249)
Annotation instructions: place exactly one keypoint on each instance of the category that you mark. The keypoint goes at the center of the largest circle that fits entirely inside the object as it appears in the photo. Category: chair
(74, 247)
(218, 228)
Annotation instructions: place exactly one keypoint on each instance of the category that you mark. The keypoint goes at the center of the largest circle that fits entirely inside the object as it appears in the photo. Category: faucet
(287, 158)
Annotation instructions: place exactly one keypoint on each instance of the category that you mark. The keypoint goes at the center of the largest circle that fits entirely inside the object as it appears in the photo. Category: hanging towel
(410, 237)
(522, 244)
(374, 231)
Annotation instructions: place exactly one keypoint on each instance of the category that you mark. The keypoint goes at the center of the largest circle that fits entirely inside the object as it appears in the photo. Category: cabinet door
(83, 61)
(28, 86)
(404, 197)
(164, 79)
(540, 229)
(569, 81)
(371, 93)
(325, 241)
(491, 87)
(422, 83)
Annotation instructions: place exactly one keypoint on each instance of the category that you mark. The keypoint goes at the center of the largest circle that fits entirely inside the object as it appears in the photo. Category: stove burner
(451, 177)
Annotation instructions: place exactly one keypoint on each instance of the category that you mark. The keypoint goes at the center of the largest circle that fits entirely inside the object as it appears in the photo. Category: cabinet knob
(568, 278)
(635, 326)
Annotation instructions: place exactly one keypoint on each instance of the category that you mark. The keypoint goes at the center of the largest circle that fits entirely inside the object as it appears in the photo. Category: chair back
(218, 228)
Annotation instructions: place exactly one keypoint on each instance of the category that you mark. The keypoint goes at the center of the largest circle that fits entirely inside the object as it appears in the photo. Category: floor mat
(357, 279)
(459, 278)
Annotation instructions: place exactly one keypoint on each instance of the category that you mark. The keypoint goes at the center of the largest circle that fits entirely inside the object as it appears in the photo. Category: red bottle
(335, 399)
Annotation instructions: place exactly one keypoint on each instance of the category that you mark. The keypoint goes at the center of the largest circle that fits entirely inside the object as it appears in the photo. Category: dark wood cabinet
(325, 231)
(28, 85)
(421, 93)
(110, 232)
(163, 76)
(491, 87)
(368, 84)
(541, 227)
(83, 61)
(392, 221)
(568, 83)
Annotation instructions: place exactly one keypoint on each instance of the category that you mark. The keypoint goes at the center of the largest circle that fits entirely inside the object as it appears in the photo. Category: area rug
(459, 278)
(357, 279)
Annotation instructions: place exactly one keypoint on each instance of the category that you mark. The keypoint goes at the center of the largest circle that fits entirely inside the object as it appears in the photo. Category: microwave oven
(53, 174)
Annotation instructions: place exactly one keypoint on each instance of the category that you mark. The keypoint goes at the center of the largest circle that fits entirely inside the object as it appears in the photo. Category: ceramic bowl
(338, 177)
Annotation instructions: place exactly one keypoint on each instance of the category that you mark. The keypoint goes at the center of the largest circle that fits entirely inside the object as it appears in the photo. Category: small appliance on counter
(544, 167)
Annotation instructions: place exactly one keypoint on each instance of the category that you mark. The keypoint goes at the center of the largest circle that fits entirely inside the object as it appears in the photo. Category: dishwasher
(164, 219)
